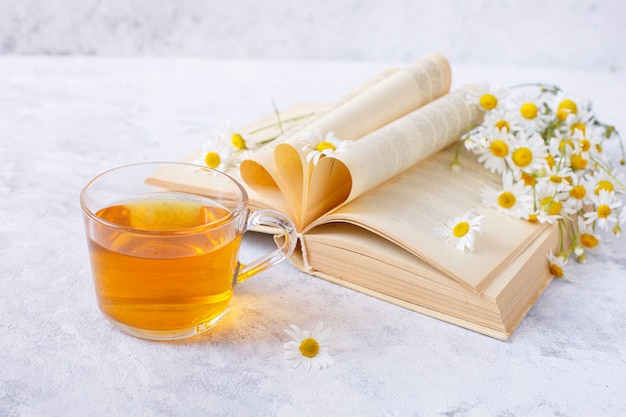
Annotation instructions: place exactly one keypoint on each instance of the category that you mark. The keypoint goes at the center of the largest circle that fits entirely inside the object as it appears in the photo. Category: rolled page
(259, 171)
(387, 100)
(401, 144)
(388, 151)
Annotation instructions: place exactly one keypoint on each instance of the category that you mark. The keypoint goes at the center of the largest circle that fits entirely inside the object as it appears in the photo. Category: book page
(407, 209)
(259, 171)
(383, 102)
(388, 151)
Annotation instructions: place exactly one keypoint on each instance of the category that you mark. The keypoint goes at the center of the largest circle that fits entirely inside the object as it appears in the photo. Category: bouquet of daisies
(549, 149)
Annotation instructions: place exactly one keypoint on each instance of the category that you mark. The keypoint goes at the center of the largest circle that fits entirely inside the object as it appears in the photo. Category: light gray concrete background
(578, 34)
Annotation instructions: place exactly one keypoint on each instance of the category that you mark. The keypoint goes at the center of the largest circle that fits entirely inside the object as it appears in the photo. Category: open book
(367, 216)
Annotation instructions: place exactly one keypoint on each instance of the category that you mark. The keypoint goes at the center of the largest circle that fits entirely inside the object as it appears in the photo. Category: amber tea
(164, 239)
(164, 281)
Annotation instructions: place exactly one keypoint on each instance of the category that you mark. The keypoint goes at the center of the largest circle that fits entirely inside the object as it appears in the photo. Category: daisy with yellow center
(514, 199)
(607, 180)
(587, 237)
(557, 265)
(460, 231)
(560, 176)
(500, 119)
(579, 191)
(529, 114)
(309, 349)
(215, 154)
(233, 135)
(584, 149)
(564, 105)
(494, 154)
(528, 153)
(488, 98)
(318, 145)
(605, 210)
(580, 121)
(565, 108)
(551, 204)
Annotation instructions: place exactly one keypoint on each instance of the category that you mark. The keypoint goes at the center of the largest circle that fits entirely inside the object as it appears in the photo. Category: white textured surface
(62, 120)
(558, 33)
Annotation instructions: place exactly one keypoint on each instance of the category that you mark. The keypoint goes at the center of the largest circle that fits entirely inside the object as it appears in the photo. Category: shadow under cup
(164, 244)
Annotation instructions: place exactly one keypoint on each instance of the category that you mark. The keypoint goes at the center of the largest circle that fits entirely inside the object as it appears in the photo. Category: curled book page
(390, 150)
(372, 107)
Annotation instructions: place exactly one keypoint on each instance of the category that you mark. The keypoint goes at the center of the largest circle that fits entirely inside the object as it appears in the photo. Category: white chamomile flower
(579, 191)
(319, 145)
(588, 238)
(500, 119)
(486, 97)
(605, 211)
(557, 265)
(560, 147)
(566, 105)
(494, 155)
(309, 349)
(580, 121)
(461, 231)
(560, 176)
(216, 154)
(551, 204)
(580, 144)
(529, 111)
(233, 135)
(528, 153)
(605, 180)
(514, 199)
(592, 144)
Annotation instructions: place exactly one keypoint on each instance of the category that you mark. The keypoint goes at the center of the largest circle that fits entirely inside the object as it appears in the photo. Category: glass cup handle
(289, 238)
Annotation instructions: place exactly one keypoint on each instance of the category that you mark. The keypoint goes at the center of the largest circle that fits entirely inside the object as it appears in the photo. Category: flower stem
(277, 113)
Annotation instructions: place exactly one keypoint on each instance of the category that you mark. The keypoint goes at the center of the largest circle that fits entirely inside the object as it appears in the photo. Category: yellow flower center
(529, 111)
(488, 101)
(604, 185)
(584, 145)
(603, 211)
(309, 347)
(461, 229)
(522, 157)
(551, 206)
(556, 179)
(238, 141)
(550, 160)
(578, 192)
(533, 218)
(556, 270)
(499, 148)
(503, 124)
(578, 162)
(579, 126)
(568, 106)
(588, 241)
(528, 179)
(322, 146)
(212, 159)
(506, 200)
